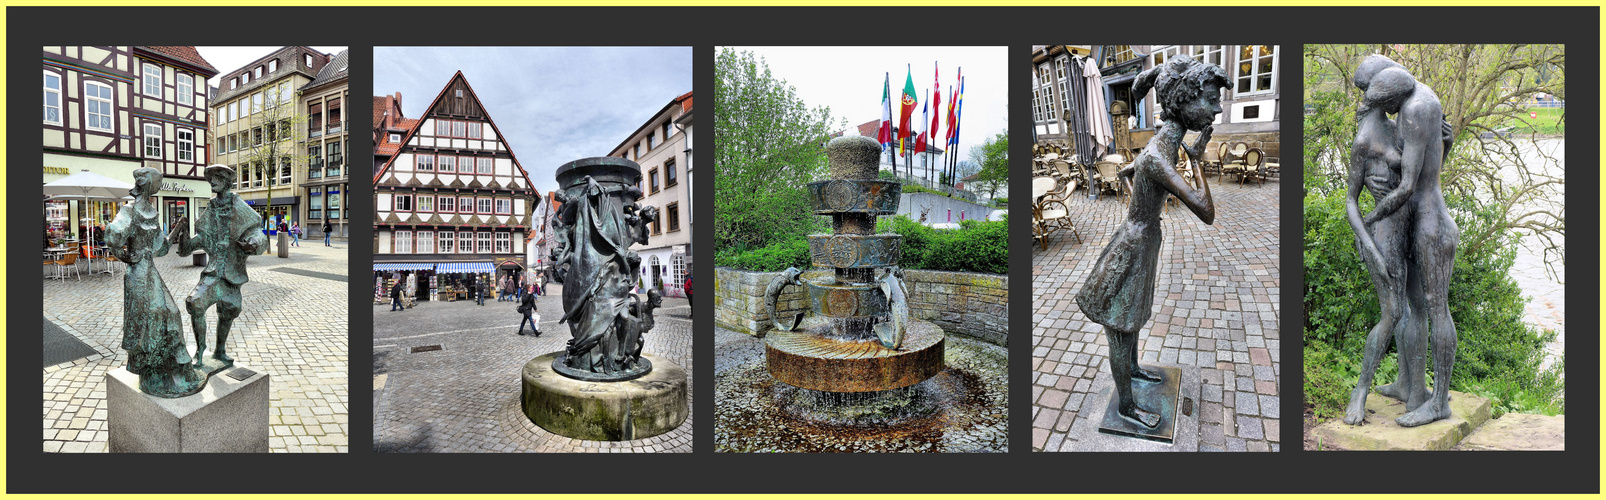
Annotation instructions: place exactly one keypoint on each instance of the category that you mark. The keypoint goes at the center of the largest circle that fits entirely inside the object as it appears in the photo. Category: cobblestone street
(293, 327)
(1217, 310)
(464, 397)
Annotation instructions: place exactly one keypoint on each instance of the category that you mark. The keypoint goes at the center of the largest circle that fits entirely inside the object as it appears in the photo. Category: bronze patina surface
(1160, 395)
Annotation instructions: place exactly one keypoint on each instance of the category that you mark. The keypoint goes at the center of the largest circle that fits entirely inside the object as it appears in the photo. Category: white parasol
(87, 185)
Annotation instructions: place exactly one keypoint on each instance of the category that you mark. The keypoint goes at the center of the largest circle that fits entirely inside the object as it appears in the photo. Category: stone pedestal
(638, 408)
(1467, 412)
(810, 359)
(1160, 397)
(230, 415)
(1089, 437)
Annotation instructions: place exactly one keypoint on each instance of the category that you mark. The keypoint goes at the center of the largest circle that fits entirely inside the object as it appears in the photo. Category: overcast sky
(849, 81)
(554, 104)
(227, 59)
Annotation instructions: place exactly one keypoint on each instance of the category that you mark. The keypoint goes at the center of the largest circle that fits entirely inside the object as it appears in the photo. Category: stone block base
(230, 415)
(639, 408)
(1467, 412)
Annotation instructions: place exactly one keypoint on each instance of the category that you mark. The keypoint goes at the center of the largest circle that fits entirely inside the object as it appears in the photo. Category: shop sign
(171, 186)
(57, 170)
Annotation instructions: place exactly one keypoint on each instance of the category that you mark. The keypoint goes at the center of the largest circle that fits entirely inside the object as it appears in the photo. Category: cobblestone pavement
(464, 397)
(1217, 310)
(293, 327)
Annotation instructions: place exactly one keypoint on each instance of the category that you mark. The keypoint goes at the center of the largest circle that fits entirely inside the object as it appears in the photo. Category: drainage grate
(240, 373)
(427, 348)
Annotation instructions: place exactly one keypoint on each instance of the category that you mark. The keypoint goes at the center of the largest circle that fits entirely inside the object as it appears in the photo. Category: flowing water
(1546, 290)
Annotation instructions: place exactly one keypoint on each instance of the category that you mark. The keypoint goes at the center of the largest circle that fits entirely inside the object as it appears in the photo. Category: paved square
(464, 397)
(1217, 310)
(293, 327)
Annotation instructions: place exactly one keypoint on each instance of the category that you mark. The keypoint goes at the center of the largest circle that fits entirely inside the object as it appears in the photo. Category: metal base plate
(643, 367)
(1160, 397)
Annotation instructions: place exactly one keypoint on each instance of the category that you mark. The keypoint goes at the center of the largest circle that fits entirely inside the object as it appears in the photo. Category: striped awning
(464, 267)
(403, 266)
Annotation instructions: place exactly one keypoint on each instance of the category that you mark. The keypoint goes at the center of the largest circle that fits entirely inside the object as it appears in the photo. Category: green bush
(1001, 202)
(1497, 355)
(777, 256)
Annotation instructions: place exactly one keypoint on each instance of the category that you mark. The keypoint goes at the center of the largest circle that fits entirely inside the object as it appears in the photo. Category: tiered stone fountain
(859, 337)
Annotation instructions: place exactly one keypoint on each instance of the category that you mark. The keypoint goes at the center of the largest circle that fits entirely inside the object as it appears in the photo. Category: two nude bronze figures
(228, 231)
(1408, 242)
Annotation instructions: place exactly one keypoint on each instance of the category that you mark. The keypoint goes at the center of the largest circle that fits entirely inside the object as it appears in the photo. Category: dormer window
(259, 72)
(395, 137)
(308, 59)
(234, 83)
(273, 66)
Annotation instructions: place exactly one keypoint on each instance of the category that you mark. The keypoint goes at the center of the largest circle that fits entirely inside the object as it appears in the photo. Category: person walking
(395, 296)
(527, 308)
(327, 228)
(295, 234)
(481, 283)
(509, 290)
(689, 308)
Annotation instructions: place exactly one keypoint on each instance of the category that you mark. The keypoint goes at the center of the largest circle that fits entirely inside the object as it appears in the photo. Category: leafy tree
(993, 156)
(768, 144)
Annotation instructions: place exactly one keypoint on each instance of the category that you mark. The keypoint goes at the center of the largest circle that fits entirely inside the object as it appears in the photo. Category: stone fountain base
(643, 407)
(810, 358)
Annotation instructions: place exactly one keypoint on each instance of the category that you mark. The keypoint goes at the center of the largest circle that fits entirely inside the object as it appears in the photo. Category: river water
(1547, 292)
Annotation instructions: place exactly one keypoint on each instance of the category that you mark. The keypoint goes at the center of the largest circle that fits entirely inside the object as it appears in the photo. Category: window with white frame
(487, 165)
(404, 203)
(315, 203)
(1209, 54)
(98, 106)
(484, 206)
(448, 204)
(152, 80)
(485, 242)
(1162, 54)
(1045, 85)
(459, 129)
(443, 128)
(272, 98)
(504, 206)
(256, 102)
(1063, 71)
(426, 242)
(404, 242)
(285, 171)
(1257, 69)
(424, 163)
(186, 145)
(153, 140)
(52, 98)
(504, 242)
(474, 129)
(678, 270)
(447, 241)
(245, 78)
(395, 138)
(273, 66)
(448, 163)
(186, 88)
(307, 58)
(234, 111)
(285, 95)
(465, 205)
(234, 83)
(426, 203)
(465, 242)
(259, 72)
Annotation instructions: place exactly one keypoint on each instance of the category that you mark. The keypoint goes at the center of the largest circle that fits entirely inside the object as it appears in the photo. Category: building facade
(660, 147)
(113, 109)
(453, 201)
(325, 188)
(261, 129)
(1249, 106)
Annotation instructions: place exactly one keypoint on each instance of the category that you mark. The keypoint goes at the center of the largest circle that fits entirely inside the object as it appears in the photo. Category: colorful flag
(953, 103)
(886, 111)
(936, 102)
(959, 111)
(925, 113)
(908, 108)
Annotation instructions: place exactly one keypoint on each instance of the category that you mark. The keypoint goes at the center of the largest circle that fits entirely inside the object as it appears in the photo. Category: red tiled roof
(407, 123)
(386, 149)
(185, 53)
(379, 111)
(685, 102)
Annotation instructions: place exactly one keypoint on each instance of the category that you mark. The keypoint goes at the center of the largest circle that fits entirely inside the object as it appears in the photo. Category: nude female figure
(1408, 242)
(1119, 293)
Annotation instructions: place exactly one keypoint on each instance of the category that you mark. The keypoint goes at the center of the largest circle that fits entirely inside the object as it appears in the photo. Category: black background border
(1576, 470)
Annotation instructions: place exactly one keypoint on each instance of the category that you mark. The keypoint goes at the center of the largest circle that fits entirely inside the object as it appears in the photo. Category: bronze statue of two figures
(228, 230)
(595, 224)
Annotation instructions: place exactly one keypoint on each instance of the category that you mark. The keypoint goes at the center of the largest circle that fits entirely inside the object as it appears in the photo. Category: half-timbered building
(453, 201)
(113, 109)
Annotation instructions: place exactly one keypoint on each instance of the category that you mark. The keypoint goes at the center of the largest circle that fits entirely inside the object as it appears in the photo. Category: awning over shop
(464, 267)
(403, 266)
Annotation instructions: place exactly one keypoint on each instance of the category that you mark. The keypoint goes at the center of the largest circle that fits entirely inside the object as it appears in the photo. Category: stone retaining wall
(969, 304)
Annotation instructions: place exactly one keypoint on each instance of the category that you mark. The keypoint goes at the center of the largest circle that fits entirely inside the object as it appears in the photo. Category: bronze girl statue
(1119, 293)
(153, 333)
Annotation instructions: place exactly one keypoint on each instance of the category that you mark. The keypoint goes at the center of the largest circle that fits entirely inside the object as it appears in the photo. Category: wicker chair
(1049, 211)
(1254, 161)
